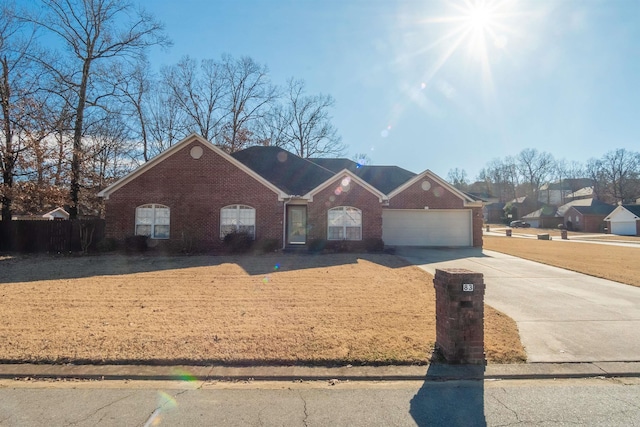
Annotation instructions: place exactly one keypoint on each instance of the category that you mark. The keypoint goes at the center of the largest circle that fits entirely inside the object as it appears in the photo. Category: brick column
(460, 315)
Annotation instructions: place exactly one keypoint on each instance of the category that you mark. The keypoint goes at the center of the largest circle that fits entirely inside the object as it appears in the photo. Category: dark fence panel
(56, 236)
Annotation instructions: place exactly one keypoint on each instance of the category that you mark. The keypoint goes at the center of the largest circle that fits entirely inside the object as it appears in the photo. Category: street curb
(434, 372)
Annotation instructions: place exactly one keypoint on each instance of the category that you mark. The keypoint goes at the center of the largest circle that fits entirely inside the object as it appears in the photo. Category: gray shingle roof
(297, 176)
(634, 209)
(292, 174)
(384, 178)
(335, 165)
(595, 209)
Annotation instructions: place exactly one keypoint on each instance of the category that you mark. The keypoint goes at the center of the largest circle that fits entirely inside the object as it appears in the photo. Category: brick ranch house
(196, 192)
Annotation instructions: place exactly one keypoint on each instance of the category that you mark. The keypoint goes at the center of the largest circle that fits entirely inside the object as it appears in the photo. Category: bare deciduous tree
(309, 131)
(249, 95)
(94, 33)
(621, 169)
(17, 85)
(197, 89)
(458, 178)
(535, 168)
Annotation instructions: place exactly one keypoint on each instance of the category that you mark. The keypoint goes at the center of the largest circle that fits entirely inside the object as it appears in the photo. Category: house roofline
(177, 147)
(618, 208)
(345, 172)
(468, 201)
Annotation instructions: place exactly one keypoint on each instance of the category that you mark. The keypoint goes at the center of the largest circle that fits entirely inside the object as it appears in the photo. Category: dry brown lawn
(283, 309)
(606, 261)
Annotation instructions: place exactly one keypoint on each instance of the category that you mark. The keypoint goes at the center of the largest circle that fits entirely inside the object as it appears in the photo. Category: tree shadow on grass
(45, 267)
(452, 395)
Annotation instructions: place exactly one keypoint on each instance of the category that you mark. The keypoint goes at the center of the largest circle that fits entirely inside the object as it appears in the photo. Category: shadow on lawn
(44, 267)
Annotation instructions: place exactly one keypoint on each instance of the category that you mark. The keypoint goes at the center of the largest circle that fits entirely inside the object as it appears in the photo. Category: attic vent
(196, 152)
(426, 185)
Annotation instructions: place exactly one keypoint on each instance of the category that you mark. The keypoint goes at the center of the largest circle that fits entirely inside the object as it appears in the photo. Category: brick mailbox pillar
(460, 315)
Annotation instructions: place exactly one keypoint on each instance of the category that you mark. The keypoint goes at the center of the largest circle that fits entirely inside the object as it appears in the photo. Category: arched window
(153, 220)
(237, 218)
(344, 223)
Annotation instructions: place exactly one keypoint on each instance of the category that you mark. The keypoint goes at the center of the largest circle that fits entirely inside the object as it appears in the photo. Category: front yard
(283, 309)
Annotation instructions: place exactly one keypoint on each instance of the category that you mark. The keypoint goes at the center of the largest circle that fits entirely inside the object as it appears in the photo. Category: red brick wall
(195, 190)
(435, 197)
(477, 223)
(337, 195)
(427, 192)
(591, 223)
(460, 315)
(587, 223)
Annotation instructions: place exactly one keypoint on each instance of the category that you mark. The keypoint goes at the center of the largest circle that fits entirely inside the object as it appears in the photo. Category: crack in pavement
(306, 414)
(73, 423)
(518, 420)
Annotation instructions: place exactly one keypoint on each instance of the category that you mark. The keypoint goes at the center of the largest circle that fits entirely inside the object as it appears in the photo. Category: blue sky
(439, 84)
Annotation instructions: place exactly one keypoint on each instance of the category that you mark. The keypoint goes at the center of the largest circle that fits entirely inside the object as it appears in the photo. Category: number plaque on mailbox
(467, 287)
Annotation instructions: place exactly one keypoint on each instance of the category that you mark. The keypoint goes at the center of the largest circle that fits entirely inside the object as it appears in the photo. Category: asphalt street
(562, 316)
(588, 402)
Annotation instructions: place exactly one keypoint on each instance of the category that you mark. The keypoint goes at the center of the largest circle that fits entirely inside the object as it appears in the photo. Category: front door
(296, 225)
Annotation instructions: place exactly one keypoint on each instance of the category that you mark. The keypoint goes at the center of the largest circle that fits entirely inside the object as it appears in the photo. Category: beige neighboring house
(583, 193)
(57, 213)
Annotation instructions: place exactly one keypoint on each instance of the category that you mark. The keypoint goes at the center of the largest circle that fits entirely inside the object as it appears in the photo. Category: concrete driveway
(562, 316)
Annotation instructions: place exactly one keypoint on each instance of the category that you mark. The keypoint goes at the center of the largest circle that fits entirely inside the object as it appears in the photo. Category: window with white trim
(153, 220)
(344, 223)
(237, 218)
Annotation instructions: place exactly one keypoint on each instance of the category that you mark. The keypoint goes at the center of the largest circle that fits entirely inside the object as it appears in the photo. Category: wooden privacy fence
(51, 236)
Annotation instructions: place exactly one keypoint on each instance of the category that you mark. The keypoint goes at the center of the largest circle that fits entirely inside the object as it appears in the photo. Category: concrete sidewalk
(435, 372)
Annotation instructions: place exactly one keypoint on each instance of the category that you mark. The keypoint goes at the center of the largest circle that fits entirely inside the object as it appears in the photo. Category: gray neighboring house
(579, 215)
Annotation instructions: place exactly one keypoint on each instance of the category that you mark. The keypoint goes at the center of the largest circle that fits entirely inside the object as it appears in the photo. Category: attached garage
(624, 220)
(429, 227)
(626, 228)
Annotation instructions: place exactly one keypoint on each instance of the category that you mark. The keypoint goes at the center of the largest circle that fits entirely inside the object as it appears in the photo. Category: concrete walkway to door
(562, 316)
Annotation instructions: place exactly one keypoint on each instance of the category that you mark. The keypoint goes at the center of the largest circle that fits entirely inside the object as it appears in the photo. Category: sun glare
(479, 16)
(480, 27)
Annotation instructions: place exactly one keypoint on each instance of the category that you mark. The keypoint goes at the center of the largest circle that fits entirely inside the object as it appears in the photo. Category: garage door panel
(626, 228)
(427, 228)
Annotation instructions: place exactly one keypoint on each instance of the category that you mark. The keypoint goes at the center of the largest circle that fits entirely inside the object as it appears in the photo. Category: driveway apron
(562, 316)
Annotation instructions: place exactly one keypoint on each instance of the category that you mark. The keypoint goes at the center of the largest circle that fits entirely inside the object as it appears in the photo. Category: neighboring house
(493, 213)
(516, 208)
(57, 213)
(545, 217)
(196, 192)
(624, 220)
(583, 193)
(551, 217)
(555, 193)
(589, 219)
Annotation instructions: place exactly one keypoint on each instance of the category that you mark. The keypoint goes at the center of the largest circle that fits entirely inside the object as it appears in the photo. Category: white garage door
(626, 228)
(427, 227)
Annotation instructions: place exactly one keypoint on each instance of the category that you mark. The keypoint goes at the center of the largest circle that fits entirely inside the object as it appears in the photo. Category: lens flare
(166, 402)
(184, 375)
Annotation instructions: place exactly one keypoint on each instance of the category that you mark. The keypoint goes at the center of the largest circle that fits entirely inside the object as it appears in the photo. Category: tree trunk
(7, 159)
(77, 141)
